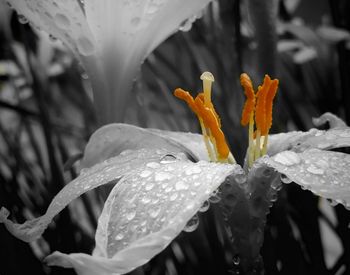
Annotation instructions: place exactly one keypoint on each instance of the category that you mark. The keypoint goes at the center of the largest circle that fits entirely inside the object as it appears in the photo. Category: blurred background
(46, 118)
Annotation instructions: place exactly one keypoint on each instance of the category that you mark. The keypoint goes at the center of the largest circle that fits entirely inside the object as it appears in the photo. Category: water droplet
(160, 176)
(181, 185)
(315, 170)
(62, 21)
(173, 197)
(85, 46)
(154, 212)
(193, 170)
(287, 158)
(22, 19)
(285, 179)
(52, 38)
(332, 202)
(149, 186)
(240, 177)
(205, 206)
(153, 165)
(145, 173)
(345, 134)
(192, 224)
(145, 200)
(130, 215)
(215, 197)
(119, 237)
(236, 260)
(168, 159)
(273, 197)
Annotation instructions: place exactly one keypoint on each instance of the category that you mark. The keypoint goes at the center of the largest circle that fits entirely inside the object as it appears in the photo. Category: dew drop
(85, 46)
(215, 197)
(52, 38)
(236, 260)
(192, 224)
(62, 21)
(205, 206)
(173, 197)
(145, 200)
(22, 19)
(130, 215)
(168, 159)
(287, 158)
(119, 237)
(145, 173)
(154, 212)
(149, 186)
(181, 185)
(193, 170)
(315, 170)
(161, 176)
(153, 165)
(285, 179)
(240, 177)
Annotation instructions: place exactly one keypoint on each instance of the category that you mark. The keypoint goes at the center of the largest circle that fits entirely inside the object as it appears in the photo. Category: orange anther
(211, 121)
(249, 105)
(185, 96)
(268, 106)
(260, 111)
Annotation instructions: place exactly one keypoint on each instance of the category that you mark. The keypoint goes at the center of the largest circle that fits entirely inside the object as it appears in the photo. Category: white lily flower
(111, 38)
(159, 190)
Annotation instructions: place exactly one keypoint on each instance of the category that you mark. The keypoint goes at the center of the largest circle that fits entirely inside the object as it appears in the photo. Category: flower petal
(91, 178)
(193, 142)
(64, 20)
(336, 137)
(110, 140)
(147, 209)
(327, 174)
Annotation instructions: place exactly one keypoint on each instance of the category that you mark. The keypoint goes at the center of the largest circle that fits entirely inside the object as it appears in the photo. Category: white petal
(110, 140)
(93, 177)
(62, 19)
(193, 142)
(327, 174)
(147, 210)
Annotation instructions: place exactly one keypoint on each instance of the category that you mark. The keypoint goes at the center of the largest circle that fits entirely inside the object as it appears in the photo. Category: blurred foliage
(46, 117)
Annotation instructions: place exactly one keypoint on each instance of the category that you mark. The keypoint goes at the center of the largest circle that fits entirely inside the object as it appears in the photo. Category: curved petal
(110, 140)
(146, 211)
(64, 20)
(336, 137)
(301, 141)
(130, 30)
(327, 174)
(88, 179)
(193, 142)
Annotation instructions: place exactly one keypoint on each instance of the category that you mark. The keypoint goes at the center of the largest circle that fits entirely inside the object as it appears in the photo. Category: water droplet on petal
(193, 170)
(160, 176)
(119, 237)
(287, 158)
(153, 165)
(85, 46)
(22, 19)
(154, 212)
(173, 197)
(215, 197)
(285, 179)
(181, 185)
(168, 159)
(205, 206)
(62, 21)
(145, 173)
(130, 215)
(192, 224)
(315, 170)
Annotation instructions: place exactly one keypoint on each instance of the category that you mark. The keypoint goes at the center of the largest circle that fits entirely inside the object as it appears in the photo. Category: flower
(165, 177)
(111, 38)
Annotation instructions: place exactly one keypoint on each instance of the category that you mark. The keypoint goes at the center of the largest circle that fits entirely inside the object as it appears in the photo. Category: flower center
(259, 104)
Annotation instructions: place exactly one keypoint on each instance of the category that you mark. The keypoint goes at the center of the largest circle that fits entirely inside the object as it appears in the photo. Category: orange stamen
(260, 111)
(268, 106)
(185, 96)
(249, 105)
(211, 121)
